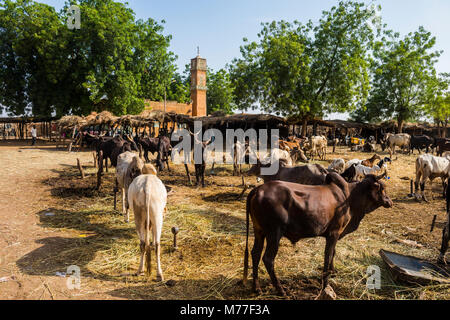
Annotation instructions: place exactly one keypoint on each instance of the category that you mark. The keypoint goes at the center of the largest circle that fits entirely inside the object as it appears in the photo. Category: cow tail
(148, 256)
(247, 222)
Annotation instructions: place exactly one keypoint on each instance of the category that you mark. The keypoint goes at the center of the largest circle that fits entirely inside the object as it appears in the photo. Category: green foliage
(220, 95)
(307, 70)
(112, 62)
(404, 78)
(439, 107)
(179, 88)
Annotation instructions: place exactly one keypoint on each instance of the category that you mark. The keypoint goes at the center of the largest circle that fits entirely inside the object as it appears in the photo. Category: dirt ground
(51, 219)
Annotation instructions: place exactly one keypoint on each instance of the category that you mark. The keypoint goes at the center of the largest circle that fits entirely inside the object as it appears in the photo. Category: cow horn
(381, 176)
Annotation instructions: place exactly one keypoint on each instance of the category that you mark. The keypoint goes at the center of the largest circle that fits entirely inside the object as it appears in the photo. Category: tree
(113, 61)
(220, 94)
(404, 77)
(439, 110)
(307, 70)
(31, 64)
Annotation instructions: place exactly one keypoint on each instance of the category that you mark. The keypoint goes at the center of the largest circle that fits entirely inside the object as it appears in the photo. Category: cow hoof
(257, 291)
(441, 260)
(327, 294)
(281, 293)
(159, 278)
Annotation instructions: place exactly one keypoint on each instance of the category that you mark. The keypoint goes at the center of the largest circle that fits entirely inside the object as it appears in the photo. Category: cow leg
(167, 162)
(197, 180)
(125, 205)
(146, 156)
(106, 163)
(329, 257)
(203, 168)
(157, 239)
(141, 231)
(187, 173)
(141, 261)
(445, 240)
(273, 242)
(116, 189)
(256, 257)
(422, 189)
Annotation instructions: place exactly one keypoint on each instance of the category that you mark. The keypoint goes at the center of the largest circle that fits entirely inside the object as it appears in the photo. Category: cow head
(376, 193)
(255, 170)
(298, 155)
(135, 168)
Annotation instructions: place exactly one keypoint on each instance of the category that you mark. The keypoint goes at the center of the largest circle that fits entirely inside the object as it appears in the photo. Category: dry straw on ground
(209, 261)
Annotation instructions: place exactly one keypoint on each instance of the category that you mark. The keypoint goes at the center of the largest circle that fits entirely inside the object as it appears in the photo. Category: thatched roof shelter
(69, 122)
(239, 119)
(157, 115)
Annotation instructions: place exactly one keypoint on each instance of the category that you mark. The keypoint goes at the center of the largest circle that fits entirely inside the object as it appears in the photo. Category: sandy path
(23, 197)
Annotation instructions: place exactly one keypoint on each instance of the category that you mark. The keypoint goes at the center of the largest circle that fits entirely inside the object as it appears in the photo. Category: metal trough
(414, 270)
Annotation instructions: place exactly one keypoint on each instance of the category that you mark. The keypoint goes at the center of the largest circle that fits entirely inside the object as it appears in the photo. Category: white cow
(147, 197)
(430, 167)
(317, 145)
(129, 166)
(402, 140)
(277, 155)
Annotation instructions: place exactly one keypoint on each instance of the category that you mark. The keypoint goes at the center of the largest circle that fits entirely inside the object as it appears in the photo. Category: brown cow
(288, 145)
(311, 174)
(297, 211)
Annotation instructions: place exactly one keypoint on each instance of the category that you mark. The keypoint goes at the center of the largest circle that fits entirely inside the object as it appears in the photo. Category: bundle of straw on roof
(105, 117)
(68, 122)
(90, 119)
(152, 115)
(127, 120)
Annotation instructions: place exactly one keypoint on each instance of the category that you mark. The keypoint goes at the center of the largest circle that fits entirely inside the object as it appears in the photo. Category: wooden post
(80, 167)
(100, 169)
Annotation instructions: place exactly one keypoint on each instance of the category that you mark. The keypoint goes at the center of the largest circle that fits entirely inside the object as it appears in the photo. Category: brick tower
(198, 86)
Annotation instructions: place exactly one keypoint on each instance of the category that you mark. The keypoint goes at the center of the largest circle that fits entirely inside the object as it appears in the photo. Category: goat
(362, 171)
(338, 165)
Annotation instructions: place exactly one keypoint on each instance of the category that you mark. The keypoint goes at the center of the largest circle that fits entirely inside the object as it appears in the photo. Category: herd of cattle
(298, 201)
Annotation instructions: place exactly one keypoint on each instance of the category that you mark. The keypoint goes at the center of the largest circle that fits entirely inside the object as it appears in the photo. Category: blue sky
(218, 26)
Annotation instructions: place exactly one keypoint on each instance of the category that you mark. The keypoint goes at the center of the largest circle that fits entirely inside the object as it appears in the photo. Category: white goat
(147, 197)
(337, 165)
(362, 171)
(352, 162)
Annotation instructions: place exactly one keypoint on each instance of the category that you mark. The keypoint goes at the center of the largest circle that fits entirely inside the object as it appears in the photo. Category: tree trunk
(444, 132)
(400, 125)
(315, 129)
(304, 126)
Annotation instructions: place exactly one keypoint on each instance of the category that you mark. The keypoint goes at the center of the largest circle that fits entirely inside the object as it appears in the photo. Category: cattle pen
(82, 228)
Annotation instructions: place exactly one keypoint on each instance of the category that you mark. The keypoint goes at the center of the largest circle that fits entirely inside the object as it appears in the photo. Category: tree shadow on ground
(224, 197)
(220, 287)
(57, 253)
